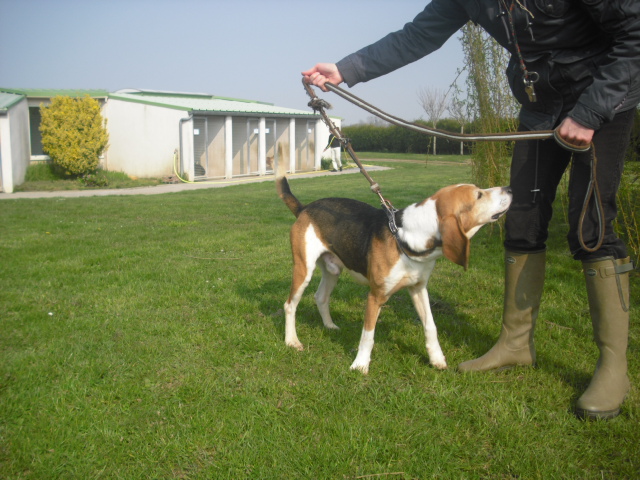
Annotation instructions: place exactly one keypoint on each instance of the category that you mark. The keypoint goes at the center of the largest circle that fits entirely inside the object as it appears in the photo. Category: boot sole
(591, 415)
(516, 365)
(500, 369)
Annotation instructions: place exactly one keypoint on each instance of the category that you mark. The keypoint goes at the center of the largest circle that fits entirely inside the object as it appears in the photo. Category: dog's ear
(455, 244)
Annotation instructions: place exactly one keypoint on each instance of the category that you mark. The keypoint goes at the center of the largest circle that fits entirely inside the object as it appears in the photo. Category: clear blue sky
(253, 49)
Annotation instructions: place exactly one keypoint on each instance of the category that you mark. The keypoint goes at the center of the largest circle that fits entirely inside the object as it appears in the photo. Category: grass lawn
(413, 156)
(143, 337)
(41, 178)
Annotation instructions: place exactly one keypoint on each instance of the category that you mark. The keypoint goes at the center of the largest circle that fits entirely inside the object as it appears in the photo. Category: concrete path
(176, 187)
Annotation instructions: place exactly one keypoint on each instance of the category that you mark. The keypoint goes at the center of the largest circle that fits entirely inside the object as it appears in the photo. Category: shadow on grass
(347, 309)
(457, 331)
(307, 315)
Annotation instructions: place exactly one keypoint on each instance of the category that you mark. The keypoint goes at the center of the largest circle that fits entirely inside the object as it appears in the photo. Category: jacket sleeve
(330, 142)
(425, 34)
(616, 83)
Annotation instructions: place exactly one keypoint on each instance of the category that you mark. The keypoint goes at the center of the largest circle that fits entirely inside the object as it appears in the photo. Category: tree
(74, 134)
(490, 102)
(458, 110)
(434, 103)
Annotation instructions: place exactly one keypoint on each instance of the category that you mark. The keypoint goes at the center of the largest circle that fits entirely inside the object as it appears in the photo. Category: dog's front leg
(420, 298)
(374, 304)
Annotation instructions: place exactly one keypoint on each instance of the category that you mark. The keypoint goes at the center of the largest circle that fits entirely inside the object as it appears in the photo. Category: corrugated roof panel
(165, 93)
(50, 93)
(188, 102)
(8, 100)
(210, 104)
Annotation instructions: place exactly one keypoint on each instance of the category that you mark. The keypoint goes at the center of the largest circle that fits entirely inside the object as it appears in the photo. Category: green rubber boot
(524, 279)
(608, 291)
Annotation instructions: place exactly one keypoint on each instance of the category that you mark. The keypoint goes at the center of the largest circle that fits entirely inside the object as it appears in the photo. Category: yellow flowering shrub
(74, 134)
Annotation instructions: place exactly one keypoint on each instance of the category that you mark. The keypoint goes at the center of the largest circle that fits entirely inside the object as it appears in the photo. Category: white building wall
(14, 145)
(142, 138)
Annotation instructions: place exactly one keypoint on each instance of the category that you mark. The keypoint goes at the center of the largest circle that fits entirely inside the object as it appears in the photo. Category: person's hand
(322, 73)
(574, 133)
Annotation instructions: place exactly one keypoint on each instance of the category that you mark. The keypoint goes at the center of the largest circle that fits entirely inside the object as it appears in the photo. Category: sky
(249, 49)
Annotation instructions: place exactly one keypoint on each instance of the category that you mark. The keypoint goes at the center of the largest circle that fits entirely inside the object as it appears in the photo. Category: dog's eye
(480, 195)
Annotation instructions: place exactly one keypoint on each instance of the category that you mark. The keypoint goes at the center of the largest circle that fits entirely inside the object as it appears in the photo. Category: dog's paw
(362, 368)
(439, 363)
(331, 326)
(295, 344)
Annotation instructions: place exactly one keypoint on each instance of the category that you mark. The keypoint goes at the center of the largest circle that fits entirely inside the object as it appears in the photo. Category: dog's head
(462, 210)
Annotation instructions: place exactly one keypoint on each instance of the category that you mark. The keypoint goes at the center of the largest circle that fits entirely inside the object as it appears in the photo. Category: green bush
(325, 164)
(394, 139)
(74, 134)
(97, 179)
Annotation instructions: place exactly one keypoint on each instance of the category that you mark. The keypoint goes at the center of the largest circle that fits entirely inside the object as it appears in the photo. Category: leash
(318, 105)
(486, 137)
(593, 191)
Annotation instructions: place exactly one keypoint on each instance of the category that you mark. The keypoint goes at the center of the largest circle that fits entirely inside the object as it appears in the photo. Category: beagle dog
(340, 233)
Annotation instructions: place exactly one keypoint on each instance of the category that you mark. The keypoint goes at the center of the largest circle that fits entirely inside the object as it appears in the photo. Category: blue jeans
(534, 186)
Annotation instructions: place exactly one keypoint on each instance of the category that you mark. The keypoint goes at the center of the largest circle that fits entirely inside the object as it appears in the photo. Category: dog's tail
(284, 192)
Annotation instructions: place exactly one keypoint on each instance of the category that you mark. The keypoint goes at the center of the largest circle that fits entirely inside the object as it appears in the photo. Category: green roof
(188, 102)
(203, 103)
(8, 100)
(50, 93)
(203, 96)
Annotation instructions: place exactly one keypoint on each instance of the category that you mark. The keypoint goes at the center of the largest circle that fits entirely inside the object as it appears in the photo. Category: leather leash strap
(485, 137)
(318, 105)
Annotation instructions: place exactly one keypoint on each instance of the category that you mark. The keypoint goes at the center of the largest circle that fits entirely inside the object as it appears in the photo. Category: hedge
(393, 139)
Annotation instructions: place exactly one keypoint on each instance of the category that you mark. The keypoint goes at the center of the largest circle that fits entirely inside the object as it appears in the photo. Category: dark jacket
(333, 142)
(587, 53)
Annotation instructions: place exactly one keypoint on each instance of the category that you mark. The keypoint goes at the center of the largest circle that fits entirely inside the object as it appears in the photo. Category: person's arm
(331, 138)
(425, 34)
(619, 74)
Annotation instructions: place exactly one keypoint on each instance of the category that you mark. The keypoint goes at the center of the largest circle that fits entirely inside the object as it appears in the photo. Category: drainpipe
(182, 121)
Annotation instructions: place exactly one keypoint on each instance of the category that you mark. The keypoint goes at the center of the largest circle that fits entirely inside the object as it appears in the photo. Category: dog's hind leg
(420, 298)
(301, 277)
(330, 274)
(306, 248)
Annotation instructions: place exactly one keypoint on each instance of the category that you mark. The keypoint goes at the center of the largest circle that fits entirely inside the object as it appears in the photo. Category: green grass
(413, 156)
(40, 177)
(143, 337)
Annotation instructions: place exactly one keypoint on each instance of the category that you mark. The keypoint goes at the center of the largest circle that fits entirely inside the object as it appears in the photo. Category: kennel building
(20, 139)
(14, 137)
(155, 134)
(206, 137)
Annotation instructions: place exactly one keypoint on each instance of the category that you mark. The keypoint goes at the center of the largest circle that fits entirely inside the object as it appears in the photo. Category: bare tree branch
(434, 103)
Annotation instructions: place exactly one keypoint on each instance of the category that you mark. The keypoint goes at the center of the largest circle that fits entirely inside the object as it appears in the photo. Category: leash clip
(391, 214)
(391, 211)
